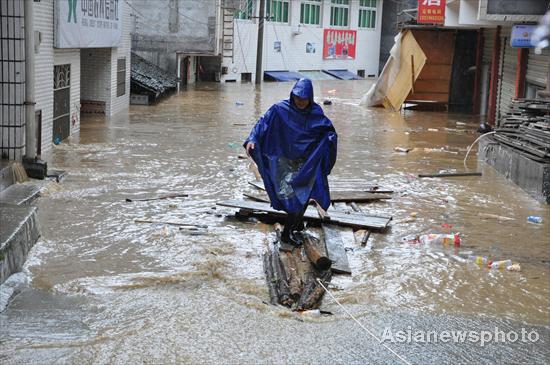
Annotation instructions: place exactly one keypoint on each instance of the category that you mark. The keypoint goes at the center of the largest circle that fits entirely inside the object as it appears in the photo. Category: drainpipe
(30, 128)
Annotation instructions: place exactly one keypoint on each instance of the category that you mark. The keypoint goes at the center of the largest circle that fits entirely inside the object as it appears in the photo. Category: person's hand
(249, 147)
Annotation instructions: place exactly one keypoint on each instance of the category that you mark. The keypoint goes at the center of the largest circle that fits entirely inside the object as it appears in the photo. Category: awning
(343, 74)
(282, 76)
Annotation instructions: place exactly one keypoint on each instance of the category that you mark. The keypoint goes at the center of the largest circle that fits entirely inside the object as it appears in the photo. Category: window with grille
(367, 14)
(277, 10)
(246, 10)
(310, 12)
(121, 76)
(339, 13)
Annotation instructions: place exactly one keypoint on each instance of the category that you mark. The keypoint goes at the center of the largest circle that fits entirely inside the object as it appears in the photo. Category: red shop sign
(339, 44)
(431, 11)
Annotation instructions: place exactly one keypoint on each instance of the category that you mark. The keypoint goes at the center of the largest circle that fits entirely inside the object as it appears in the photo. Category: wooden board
(336, 196)
(343, 186)
(336, 251)
(402, 85)
(356, 220)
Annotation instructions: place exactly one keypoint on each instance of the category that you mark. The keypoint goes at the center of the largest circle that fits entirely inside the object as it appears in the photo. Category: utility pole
(260, 46)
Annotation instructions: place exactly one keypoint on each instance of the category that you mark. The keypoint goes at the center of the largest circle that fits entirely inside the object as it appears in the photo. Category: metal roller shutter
(489, 35)
(507, 74)
(537, 67)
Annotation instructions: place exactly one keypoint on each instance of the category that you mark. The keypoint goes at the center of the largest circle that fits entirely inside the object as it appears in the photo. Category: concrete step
(20, 194)
(18, 233)
(6, 174)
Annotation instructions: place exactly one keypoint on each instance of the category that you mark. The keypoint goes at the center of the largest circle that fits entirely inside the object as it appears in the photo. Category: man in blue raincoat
(294, 147)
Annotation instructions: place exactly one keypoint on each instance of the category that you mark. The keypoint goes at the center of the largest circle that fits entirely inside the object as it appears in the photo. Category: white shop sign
(88, 23)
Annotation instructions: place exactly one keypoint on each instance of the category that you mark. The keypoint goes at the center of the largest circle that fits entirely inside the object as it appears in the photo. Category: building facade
(82, 63)
(305, 36)
(180, 36)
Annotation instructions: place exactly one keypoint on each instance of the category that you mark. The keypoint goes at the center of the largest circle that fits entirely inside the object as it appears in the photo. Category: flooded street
(104, 289)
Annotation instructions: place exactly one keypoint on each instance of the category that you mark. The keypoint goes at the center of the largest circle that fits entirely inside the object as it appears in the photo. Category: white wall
(293, 56)
(119, 103)
(43, 69)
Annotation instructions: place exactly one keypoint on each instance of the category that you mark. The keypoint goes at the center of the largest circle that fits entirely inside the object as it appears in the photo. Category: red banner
(339, 44)
(431, 12)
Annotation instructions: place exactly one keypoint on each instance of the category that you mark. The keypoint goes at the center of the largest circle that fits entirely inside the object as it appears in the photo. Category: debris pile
(526, 127)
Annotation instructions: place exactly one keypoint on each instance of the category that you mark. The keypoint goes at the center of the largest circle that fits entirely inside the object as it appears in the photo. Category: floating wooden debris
(171, 196)
(170, 223)
(451, 174)
(335, 250)
(335, 196)
(291, 281)
(356, 220)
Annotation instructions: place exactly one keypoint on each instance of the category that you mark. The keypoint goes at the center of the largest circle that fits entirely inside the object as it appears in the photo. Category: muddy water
(104, 289)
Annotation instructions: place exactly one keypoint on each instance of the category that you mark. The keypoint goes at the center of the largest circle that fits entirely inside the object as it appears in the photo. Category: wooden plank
(439, 97)
(435, 72)
(451, 174)
(341, 186)
(335, 250)
(357, 220)
(335, 196)
(431, 86)
(401, 87)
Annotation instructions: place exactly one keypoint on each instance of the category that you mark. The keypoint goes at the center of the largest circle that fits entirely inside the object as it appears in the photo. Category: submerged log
(280, 279)
(270, 279)
(313, 292)
(318, 260)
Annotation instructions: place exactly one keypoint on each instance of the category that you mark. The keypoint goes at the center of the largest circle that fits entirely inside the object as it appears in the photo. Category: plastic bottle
(480, 260)
(440, 238)
(500, 264)
(534, 219)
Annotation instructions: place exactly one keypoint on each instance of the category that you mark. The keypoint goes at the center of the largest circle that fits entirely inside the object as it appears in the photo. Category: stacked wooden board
(526, 128)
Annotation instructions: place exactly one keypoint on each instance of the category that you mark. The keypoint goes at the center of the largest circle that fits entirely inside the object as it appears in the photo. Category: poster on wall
(339, 44)
(310, 47)
(277, 46)
(88, 23)
(431, 12)
(521, 35)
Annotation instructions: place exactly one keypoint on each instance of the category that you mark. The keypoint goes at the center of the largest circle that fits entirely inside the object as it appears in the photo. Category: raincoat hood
(302, 89)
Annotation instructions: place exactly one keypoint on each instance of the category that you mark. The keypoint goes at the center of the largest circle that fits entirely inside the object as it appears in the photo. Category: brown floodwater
(105, 289)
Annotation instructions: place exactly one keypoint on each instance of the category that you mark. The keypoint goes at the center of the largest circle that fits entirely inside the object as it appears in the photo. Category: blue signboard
(521, 35)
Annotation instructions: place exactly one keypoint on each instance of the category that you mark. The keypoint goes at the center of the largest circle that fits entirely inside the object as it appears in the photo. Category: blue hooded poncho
(295, 150)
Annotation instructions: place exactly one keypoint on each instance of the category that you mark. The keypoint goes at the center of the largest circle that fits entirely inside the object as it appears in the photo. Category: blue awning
(343, 74)
(282, 76)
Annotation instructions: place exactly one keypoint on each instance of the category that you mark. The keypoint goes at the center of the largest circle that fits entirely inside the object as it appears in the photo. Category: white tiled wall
(293, 56)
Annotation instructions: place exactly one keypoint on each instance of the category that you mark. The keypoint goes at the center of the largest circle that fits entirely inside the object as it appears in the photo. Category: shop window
(339, 13)
(310, 12)
(367, 14)
(121, 76)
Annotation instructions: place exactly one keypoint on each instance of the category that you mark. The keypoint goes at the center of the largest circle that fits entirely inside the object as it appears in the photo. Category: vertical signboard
(88, 23)
(339, 44)
(431, 12)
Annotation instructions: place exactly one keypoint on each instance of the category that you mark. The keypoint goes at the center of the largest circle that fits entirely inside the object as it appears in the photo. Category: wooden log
(280, 279)
(171, 196)
(295, 285)
(365, 238)
(457, 174)
(313, 292)
(270, 279)
(319, 261)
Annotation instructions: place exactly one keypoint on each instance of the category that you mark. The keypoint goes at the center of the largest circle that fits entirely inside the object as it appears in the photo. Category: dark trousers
(294, 222)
